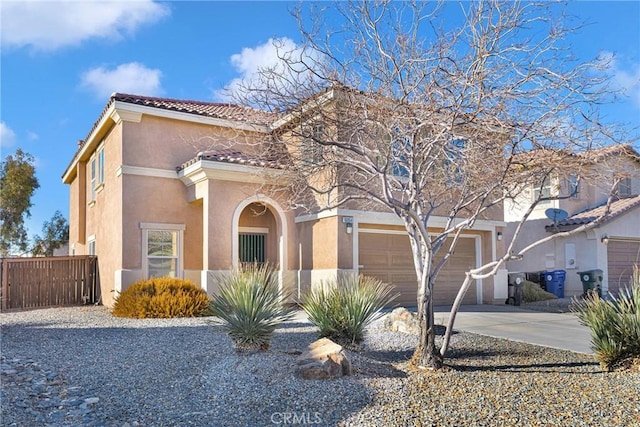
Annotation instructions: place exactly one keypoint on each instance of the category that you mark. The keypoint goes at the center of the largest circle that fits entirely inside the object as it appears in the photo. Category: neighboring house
(613, 246)
(173, 187)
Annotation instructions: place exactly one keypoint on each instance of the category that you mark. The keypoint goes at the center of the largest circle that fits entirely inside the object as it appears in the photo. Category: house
(613, 246)
(176, 187)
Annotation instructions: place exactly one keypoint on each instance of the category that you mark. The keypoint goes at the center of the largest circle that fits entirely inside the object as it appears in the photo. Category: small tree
(55, 234)
(18, 182)
(400, 109)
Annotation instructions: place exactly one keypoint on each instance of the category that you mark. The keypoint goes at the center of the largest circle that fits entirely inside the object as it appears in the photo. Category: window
(311, 150)
(624, 187)
(454, 152)
(252, 248)
(96, 173)
(574, 186)
(91, 243)
(162, 249)
(542, 191)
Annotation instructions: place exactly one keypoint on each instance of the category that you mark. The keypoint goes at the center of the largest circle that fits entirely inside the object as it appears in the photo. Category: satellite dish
(555, 214)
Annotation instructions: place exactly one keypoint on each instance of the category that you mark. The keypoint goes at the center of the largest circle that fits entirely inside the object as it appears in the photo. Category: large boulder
(323, 359)
(402, 320)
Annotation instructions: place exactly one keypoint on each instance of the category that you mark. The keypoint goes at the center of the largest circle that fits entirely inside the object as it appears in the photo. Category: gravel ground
(81, 366)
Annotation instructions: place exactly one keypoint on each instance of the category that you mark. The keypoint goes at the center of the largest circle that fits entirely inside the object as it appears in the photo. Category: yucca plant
(342, 308)
(614, 323)
(250, 305)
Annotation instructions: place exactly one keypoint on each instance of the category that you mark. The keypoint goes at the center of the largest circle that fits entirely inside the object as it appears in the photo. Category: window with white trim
(91, 244)
(162, 249)
(574, 186)
(543, 190)
(96, 173)
(623, 189)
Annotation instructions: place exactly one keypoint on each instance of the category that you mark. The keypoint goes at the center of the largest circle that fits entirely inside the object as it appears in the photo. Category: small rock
(91, 400)
(323, 360)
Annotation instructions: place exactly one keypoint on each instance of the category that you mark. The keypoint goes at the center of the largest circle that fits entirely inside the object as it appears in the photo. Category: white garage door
(622, 255)
(388, 257)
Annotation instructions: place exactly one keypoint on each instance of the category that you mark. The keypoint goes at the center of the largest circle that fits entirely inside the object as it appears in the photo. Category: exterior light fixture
(499, 235)
(605, 239)
(348, 222)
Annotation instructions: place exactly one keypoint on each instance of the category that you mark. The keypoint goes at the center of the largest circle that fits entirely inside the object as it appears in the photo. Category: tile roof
(208, 109)
(613, 150)
(237, 157)
(618, 207)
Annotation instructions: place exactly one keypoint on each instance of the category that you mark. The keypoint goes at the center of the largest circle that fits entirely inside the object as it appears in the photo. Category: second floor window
(96, 172)
(542, 191)
(624, 187)
(573, 186)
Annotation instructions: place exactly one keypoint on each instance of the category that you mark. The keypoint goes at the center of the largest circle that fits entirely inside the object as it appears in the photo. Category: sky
(60, 61)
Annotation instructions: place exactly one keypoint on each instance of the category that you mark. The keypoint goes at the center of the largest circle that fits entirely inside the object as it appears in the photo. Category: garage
(388, 257)
(622, 255)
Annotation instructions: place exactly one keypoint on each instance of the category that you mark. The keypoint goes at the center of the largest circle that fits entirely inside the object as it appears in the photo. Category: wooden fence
(47, 282)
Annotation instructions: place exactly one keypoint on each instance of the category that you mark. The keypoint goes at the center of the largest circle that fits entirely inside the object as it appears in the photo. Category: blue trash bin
(554, 281)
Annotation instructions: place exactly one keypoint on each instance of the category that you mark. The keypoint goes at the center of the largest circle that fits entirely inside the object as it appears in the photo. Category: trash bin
(554, 281)
(536, 277)
(591, 279)
(514, 281)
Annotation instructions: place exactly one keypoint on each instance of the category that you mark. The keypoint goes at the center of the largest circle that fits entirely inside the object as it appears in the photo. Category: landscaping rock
(323, 360)
(402, 320)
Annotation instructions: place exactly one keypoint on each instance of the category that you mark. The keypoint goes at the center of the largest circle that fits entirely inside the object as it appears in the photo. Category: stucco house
(613, 246)
(173, 187)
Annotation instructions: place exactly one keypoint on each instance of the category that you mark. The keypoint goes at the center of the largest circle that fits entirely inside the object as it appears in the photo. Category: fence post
(4, 290)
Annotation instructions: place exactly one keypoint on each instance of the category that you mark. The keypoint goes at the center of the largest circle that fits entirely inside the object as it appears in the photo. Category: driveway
(557, 330)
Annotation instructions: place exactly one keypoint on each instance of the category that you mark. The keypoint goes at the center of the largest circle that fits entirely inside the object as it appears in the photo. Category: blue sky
(61, 61)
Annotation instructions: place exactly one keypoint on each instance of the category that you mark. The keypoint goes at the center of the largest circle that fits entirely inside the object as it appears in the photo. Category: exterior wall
(590, 252)
(104, 215)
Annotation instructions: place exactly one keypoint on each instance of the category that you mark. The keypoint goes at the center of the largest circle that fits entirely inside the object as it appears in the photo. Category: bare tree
(400, 109)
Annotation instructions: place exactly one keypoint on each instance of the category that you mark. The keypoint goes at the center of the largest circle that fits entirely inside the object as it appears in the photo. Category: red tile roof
(618, 207)
(208, 109)
(237, 157)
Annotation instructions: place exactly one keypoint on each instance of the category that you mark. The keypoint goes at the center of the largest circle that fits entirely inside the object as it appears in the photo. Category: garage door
(388, 257)
(621, 257)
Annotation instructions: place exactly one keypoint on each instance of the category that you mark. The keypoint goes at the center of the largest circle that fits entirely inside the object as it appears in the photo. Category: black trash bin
(591, 280)
(515, 281)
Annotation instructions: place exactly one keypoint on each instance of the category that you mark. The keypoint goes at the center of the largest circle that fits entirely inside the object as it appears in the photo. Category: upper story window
(311, 149)
(543, 191)
(96, 172)
(399, 151)
(454, 152)
(623, 189)
(573, 185)
(91, 242)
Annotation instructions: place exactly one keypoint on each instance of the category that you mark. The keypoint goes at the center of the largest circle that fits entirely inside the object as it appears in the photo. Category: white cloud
(250, 62)
(625, 77)
(32, 136)
(7, 135)
(50, 25)
(132, 78)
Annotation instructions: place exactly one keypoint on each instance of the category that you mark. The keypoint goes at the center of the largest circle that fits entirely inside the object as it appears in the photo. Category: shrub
(342, 308)
(251, 305)
(532, 292)
(614, 324)
(161, 297)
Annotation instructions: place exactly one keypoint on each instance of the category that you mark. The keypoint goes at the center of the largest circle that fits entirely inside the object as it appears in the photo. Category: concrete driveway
(557, 330)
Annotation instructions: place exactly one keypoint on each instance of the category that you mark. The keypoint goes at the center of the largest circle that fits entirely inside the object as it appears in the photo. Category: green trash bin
(591, 279)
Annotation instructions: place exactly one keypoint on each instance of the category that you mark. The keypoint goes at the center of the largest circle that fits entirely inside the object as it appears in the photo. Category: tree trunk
(426, 355)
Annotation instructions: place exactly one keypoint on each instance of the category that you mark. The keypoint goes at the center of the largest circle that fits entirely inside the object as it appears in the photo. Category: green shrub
(614, 324)
(161, 297)
(251, 305)
(342, 308)
(532, 292)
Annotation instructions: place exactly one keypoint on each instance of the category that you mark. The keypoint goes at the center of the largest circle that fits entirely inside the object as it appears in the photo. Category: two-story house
(613, 246)
(167, 187)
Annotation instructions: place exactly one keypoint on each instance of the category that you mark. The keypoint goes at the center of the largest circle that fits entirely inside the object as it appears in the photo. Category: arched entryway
(259, 233)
